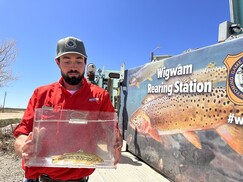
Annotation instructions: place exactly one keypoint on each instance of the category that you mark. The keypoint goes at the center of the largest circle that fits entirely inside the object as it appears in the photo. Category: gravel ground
(10, 164)
(10, 168)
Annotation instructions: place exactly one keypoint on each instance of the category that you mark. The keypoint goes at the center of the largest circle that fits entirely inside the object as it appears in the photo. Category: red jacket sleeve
(26, 125)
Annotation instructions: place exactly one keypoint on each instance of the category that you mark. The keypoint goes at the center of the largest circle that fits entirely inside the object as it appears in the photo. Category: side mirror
(114, 75)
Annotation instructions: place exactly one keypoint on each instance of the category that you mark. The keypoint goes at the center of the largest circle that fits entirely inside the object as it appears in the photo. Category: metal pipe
(236, 11)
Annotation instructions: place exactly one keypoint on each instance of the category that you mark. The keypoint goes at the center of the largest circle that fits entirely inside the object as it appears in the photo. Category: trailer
(186, 120)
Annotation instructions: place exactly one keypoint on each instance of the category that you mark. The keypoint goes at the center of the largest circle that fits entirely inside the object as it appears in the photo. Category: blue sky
(114, 32)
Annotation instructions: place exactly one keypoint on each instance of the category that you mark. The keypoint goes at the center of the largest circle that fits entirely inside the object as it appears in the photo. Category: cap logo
(71, 44)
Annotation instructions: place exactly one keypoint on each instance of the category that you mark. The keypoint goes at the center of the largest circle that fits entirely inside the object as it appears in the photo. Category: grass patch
(6, 122)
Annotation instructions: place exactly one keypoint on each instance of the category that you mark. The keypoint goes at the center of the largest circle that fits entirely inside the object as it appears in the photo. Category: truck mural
(184, 115)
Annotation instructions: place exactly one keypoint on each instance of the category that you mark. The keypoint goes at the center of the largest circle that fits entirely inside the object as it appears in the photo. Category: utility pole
(5, 95)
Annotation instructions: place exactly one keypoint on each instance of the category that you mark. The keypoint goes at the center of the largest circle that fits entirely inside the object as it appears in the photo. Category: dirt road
(11, 115)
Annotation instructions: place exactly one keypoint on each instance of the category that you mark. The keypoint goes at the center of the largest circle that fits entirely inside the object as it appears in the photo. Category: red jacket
(89, 97)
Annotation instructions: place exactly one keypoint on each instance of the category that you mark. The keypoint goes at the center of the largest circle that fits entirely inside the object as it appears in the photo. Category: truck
(186, 120)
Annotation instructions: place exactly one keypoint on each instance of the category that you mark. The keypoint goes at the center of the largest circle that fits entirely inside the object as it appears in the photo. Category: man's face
(72, 68)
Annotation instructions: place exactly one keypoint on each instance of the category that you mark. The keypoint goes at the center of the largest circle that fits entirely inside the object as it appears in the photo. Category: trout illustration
(188, 113)
(213, 75)
(144, 73)
(77, 157)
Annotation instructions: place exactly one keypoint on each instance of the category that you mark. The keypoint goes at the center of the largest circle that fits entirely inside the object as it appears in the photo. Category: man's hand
(27, 146)
(118, 146)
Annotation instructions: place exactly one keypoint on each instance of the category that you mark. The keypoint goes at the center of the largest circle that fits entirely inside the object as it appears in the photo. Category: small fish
(144, 73)
(188, 113)
(77, 157)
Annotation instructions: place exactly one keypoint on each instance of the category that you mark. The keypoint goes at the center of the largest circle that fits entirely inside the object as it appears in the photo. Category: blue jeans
(30, 180)
(37, 180)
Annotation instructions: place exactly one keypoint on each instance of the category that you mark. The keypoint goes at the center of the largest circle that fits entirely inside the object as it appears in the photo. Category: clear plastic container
(74, 139)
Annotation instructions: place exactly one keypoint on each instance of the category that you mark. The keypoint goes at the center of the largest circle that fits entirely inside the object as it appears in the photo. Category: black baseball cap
(70, 45)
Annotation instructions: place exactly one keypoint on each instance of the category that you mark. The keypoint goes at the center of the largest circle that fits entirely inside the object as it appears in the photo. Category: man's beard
(72, 80)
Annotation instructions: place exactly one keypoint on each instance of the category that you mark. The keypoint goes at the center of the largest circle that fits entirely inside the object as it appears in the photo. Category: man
(72, 92)
(91, 69)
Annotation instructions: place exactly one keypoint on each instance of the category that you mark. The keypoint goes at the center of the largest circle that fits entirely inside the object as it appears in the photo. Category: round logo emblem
(71, 44)
(234, 87)
(239, 78)
(236, 79)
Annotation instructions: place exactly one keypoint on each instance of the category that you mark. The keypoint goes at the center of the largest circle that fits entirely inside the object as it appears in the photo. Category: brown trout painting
(211, 73)
(188, 113)
(79, 157)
